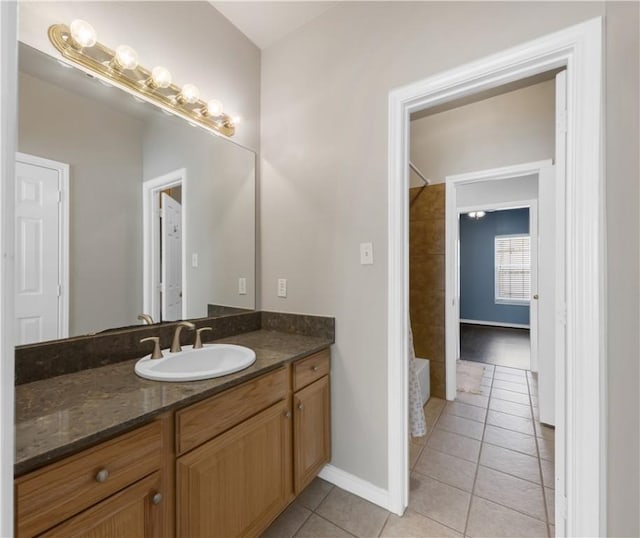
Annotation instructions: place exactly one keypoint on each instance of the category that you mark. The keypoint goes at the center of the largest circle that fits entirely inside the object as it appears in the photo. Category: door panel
(171, 258)
(37, 245)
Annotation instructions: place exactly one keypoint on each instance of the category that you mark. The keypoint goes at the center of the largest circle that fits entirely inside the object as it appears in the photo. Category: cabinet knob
(157, 498)
(300, 406)
(315, 367)
(287, 414)
(102, 475)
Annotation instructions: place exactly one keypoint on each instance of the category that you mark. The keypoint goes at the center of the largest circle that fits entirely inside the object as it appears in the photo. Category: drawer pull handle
(157, 498)
(301, 406)
(102, 475)
(287, 414)
(315, 367)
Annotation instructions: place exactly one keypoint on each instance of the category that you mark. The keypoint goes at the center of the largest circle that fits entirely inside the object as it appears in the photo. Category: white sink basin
(212, 360)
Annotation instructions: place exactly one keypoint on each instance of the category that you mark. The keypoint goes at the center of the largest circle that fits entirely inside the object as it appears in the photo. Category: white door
(171, 258)
(534, 272)
(37, 254)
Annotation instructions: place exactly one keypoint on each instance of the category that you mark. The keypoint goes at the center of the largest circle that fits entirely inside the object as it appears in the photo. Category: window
(513, 269)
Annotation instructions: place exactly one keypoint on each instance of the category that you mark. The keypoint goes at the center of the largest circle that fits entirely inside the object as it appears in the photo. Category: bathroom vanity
(221, 457)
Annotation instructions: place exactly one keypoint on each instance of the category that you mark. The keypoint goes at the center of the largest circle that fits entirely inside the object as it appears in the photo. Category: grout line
(442, 482)
(510, 474)
(332, 523)
(475, 478)
(513, 509)
(452, 455)
(386, 520)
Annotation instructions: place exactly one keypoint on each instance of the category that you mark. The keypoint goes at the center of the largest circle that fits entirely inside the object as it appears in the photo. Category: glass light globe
(236, 120)
(214, 107)
(190, 93)
(83, 33)
(126, 57)
(161, 77)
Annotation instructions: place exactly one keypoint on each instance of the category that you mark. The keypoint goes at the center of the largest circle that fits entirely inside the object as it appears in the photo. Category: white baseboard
(355, 485)
(495, 324)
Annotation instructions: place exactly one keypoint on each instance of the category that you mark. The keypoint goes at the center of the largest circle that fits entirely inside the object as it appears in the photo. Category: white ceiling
(264, 23)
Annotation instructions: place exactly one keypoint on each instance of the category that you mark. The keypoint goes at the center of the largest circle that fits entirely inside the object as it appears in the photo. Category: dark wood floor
(495, 345)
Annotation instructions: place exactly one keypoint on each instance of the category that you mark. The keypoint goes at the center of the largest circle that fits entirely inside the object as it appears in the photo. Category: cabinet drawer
(59, 491)
(308, 370)
(203, 421)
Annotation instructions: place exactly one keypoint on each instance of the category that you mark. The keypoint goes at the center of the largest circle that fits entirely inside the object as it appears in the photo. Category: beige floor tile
(510, 408)
(288, 523)
(455, 445)
(314, 493)
(432, 410)
(547, 449)
(421, 441)
(467, 411)
(462, 426)
(512, 492)
(513, 387)
(510, 422)
(414, 525)
(548, 473)
(510, 396)
(470, 398)
(510, 462)
(550, 498)
(414, 453)
(488, 519)
(521, 442)
(445, 504)
(316, 527)
(448, 469)
(352, 513)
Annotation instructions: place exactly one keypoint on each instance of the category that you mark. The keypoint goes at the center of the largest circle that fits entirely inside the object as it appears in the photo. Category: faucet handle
(146, 319)
(198, 344)
(156, 354)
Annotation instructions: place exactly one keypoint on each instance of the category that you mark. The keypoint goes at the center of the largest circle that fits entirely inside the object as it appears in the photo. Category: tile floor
(485, 469)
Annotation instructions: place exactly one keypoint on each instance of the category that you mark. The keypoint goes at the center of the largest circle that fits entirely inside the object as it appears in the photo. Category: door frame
(452, 233)
(151, 275)
(582, 507)
(63, 233)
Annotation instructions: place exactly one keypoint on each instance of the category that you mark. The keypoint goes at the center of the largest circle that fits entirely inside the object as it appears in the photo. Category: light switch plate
(242, 286)
(282, 287)
(366, 253)
(194, 259)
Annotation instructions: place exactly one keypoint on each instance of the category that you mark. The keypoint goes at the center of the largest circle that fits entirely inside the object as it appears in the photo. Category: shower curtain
(417, 421)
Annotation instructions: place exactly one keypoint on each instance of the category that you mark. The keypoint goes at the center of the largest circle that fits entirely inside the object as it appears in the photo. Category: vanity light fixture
(78, 43)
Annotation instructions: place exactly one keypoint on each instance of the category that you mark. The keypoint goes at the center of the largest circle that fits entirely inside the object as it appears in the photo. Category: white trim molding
(578, 49)
(355, 485)
(8, 140)
(495, 324)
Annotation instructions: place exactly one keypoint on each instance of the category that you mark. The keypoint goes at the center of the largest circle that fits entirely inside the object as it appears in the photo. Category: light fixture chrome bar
(420, 174)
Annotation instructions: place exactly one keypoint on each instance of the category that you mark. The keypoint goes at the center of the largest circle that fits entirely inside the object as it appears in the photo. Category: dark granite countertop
(59, 416)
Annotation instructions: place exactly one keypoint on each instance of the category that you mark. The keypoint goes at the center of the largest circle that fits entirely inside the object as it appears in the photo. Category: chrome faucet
(148, 320)
(175, 345)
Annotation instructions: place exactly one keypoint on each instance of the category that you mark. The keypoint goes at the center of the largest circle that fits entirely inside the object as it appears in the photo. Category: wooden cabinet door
(237, 483)
(312, 431)
(131, 513)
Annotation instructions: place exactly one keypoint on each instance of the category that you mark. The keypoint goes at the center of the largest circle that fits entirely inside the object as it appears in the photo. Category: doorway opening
(580, 493)
(164, 244)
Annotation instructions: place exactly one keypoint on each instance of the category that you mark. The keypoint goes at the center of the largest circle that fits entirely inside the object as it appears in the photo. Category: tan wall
(426, 279)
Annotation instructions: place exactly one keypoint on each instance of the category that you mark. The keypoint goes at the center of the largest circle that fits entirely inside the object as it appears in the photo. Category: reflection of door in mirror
(164, 239)
(41, 243)
(171, 256)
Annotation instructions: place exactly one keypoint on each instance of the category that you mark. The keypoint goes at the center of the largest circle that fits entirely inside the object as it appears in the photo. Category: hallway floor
(485, 469)
(501, 346)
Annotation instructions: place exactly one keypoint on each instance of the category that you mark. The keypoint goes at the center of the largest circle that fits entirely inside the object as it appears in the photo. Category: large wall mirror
(123, 210)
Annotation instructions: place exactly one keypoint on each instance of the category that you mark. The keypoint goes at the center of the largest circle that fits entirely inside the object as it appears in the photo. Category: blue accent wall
(477, 270)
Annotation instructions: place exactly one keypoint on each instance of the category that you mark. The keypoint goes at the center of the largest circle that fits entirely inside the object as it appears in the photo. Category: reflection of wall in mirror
(220, 208)
(104, 150)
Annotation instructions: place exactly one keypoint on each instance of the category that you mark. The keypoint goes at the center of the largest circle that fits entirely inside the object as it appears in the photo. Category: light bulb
(82, 33)
(161, 77)
(189, 94)
(214, 108)
(126, 57)
(236, 120)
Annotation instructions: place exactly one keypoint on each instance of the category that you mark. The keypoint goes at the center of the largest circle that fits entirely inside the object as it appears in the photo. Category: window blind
(513, 268)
